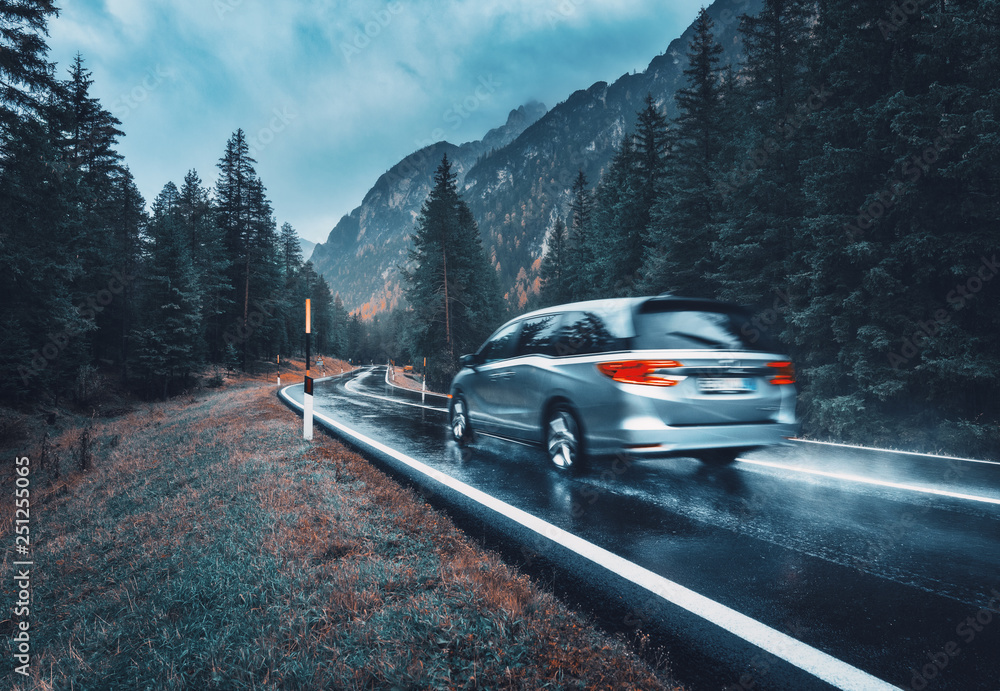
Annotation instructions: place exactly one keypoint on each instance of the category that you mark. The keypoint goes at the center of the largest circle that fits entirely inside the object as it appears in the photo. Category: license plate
(725, 385)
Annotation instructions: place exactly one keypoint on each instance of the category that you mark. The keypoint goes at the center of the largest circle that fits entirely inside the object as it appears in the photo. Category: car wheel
(461, 429)
(719, 456)
(563, 440)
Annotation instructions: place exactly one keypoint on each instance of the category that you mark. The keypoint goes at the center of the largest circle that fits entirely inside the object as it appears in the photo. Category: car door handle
(501, 375)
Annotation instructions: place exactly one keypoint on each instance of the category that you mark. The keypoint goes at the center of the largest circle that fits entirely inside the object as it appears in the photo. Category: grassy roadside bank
(208, 546)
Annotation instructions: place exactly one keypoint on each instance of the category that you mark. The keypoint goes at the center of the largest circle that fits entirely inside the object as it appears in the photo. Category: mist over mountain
(516, 179)
(307, 248)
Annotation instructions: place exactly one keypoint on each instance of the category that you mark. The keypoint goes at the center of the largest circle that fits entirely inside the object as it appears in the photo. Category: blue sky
(333, 93)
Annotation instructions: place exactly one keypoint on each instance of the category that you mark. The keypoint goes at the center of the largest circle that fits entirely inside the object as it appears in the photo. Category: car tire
(564, 440)
(461, 427)
(719, 457)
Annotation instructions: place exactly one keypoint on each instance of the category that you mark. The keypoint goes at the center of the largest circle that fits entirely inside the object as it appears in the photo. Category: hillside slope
(516, 180)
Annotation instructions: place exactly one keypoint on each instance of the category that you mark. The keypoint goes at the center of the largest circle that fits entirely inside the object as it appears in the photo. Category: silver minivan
(649, 376)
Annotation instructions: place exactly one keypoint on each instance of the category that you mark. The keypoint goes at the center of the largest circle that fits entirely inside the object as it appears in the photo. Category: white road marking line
(872, 481)
(795, 652)
(422, 393)
(386, 398)
(908, 453)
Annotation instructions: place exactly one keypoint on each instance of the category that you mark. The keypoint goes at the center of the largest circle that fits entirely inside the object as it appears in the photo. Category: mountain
(516, 180)
(362, 253)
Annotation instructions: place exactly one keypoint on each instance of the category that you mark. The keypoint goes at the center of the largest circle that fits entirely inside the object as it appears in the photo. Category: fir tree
(760, 236)
(450, 287)
(652, 146)
(619, 225)
(211, 262)
(555, 281)
(684, 218)
(166, 341)
(580, 269)
(244, 216)
(25, 73)
(290, 250)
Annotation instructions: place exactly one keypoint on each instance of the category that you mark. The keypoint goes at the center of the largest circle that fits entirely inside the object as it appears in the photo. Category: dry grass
(209, 546)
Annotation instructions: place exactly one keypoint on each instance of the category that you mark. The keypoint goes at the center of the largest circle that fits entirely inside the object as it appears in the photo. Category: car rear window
(665, 326)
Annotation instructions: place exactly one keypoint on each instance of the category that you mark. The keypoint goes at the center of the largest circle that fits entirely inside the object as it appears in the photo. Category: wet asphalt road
(897, 581)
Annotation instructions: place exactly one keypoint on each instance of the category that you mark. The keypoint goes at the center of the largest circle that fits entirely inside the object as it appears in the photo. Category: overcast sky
(333, 93)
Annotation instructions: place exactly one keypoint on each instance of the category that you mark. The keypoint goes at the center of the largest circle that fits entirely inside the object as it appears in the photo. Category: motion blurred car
(649, 376)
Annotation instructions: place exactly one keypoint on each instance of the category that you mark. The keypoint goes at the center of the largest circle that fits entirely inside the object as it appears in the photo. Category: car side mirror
(468, 361)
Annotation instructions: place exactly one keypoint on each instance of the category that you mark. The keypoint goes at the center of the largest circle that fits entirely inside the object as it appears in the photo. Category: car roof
(615, 304)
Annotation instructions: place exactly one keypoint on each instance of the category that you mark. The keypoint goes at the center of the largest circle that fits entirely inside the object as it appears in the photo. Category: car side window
(501, 346)
(586, 333)
(538, 335)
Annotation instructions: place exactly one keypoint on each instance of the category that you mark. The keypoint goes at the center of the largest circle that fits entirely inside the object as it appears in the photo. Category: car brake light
(640, 372)
(785, 373)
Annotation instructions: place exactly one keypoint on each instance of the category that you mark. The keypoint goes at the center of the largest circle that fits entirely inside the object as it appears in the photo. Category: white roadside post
(279, 369)
(307, 387)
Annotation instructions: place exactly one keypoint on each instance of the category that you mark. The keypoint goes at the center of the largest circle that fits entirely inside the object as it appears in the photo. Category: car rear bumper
(659, 439)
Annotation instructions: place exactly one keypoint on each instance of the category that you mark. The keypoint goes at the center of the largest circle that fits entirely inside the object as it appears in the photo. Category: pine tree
(211, 262)
(43, 328)
(449, 285)
(581, 273)
(761, 190)
(25, 73)
(619, 224)
(555, 283)
(683, 220)
(582, 204)
(127, 223)
(166, 340)
(338, 329)
(86, 136)
(652, 147)
(291, 251)
(263, 280)
(91, 131)
(244, 217)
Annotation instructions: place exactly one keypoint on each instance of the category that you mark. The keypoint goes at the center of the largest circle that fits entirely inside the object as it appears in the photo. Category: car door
(529, 376)
(490, 394)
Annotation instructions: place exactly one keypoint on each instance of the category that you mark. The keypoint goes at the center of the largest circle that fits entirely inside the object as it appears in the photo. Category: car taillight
(640, 372)
(784, 374)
